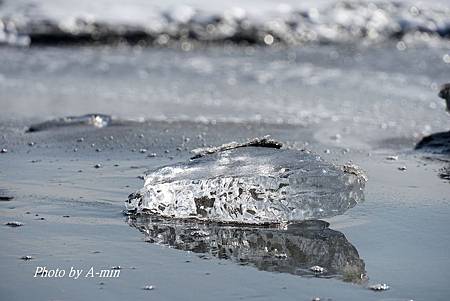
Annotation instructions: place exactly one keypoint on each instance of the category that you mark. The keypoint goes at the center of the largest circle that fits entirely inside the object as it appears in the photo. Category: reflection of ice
(293, 250)
(250, 185)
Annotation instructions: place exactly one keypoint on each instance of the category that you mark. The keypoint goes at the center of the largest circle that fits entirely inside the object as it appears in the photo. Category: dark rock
(438, 143)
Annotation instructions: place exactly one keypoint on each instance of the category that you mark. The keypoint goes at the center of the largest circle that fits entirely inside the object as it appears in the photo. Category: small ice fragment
(4, 150)
(379, 287)
(98, 165)
(14, 224)
(96, 120)
(152, 155)
(317, 269)
(149, 287)
(392, 158)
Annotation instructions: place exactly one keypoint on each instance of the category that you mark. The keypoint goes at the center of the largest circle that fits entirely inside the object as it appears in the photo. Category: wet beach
(81, 208)
(64, 181)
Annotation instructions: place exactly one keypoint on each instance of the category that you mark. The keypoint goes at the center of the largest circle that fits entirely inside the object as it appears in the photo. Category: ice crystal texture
(250, 184)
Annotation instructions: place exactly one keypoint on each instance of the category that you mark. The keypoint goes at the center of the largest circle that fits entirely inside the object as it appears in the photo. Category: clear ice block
(250, 185)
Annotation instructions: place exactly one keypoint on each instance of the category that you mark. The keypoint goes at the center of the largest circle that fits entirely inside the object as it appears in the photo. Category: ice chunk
(250, 184)
(96, 120)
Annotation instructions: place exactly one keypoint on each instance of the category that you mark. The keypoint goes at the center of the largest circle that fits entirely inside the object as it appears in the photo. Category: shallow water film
(226, 150)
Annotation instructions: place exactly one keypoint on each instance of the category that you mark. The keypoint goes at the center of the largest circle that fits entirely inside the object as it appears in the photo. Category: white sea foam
(67, 21)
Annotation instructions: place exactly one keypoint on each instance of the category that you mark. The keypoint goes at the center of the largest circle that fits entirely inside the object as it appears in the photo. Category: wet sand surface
(72, 215)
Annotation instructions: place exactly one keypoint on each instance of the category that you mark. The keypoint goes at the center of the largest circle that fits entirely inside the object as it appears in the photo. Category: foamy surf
(23, 23)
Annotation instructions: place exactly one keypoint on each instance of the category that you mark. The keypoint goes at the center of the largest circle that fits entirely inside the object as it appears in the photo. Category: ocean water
(349, 80)
(334, 88)
(278, 63)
